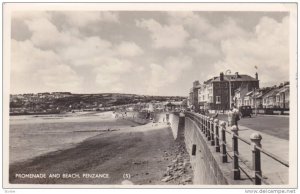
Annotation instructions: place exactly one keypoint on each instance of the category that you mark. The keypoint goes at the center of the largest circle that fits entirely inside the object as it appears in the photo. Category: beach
(94, 149)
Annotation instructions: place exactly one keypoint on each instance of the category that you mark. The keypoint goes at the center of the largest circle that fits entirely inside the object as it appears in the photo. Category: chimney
(196, 83)
(256, 76)
(236, 74)
(221, 76)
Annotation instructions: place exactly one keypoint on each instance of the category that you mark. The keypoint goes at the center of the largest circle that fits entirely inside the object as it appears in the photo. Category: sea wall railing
(215, 133)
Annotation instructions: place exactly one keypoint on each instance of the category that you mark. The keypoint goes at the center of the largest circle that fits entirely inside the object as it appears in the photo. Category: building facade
(215, 93)
(254, 98)
(277, 97)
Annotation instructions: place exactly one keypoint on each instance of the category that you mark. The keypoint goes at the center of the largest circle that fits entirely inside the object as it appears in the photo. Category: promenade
(273, 172)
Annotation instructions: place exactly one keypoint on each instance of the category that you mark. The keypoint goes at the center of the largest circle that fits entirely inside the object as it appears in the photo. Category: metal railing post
(216, 121)
(212, 135)
(223, 142)
(208, 129)
(201, 120)
(203, 124)
(236, 170)
(206, 126)
(256, 161)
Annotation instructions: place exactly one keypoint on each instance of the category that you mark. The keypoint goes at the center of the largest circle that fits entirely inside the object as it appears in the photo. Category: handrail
(278, 159)
(242, 139)
(208, 127)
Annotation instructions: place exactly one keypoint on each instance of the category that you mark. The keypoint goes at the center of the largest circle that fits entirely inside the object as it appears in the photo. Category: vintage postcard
(150, 95)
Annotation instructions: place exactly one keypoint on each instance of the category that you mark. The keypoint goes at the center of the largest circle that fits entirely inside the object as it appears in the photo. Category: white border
(292, 8)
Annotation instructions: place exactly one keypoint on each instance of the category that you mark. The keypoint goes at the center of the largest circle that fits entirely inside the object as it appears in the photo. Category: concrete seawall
(206, 163)
(206, 168)
(143, 118)
(174, 122)
(137, 117)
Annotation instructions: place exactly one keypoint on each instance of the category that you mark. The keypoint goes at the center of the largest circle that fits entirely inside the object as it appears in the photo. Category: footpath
(273, 172)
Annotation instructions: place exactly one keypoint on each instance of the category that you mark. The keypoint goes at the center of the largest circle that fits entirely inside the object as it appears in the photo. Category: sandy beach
(32, 136)
(127, 154)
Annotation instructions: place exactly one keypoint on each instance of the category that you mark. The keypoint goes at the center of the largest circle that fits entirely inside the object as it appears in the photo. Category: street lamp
(228, 72)
(255, 105)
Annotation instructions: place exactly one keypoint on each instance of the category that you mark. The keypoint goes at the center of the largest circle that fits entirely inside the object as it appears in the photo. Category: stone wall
(137, 117)
(174, 123)
(144, 118)
(206, 168)
(206, 163)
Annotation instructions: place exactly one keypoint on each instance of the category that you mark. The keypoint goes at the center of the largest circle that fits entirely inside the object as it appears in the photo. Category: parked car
(245, 111)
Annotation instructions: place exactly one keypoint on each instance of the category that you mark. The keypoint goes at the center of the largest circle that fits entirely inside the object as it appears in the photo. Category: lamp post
(255, 106)
(228, 72)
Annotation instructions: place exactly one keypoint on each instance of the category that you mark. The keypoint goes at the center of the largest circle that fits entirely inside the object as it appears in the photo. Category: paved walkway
(273, 171)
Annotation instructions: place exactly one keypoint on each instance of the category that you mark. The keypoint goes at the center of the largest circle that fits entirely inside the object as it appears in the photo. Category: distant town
(210, 96)
(60, 102)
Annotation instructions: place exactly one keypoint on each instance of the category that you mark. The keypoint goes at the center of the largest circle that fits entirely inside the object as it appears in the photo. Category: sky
(145, 52)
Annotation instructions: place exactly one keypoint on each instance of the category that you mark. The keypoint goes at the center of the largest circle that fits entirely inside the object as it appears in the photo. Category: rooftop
(238, 77)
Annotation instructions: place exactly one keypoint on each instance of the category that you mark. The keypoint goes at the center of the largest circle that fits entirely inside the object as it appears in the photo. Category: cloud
(87, 51)
(45, 33)
(227, 29)
(60, 77)
(202, 28)
(192, 21)
(26, 57)
(40, 27)
(114, 65)
(110, 73)
(83, 18)
(106, 80)
(67, 51)
(59, 51)
(168, 73)
(129, 49)
(164, 36)
(40, 69)
(204, 48)
(268, 49)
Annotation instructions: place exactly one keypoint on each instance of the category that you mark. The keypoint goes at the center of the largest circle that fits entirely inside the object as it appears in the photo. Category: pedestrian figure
(233, 116)
(167, 117)
(236, 114)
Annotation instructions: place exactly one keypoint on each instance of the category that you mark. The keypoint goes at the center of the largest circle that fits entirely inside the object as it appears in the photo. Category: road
(277, 126)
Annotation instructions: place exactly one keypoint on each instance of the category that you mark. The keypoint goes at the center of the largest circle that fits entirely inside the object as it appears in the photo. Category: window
(277, 98)
(218, 99)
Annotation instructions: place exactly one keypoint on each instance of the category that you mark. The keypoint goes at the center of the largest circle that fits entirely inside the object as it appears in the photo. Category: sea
(34, 135)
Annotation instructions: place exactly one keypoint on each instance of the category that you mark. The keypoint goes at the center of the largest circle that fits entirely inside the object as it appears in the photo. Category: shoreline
(143, 151)
(34, 136)
(100, 132)
(54, 113)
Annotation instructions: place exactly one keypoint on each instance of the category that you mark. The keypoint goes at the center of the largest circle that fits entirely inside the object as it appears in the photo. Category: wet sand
(132, 155)
(32, 136)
